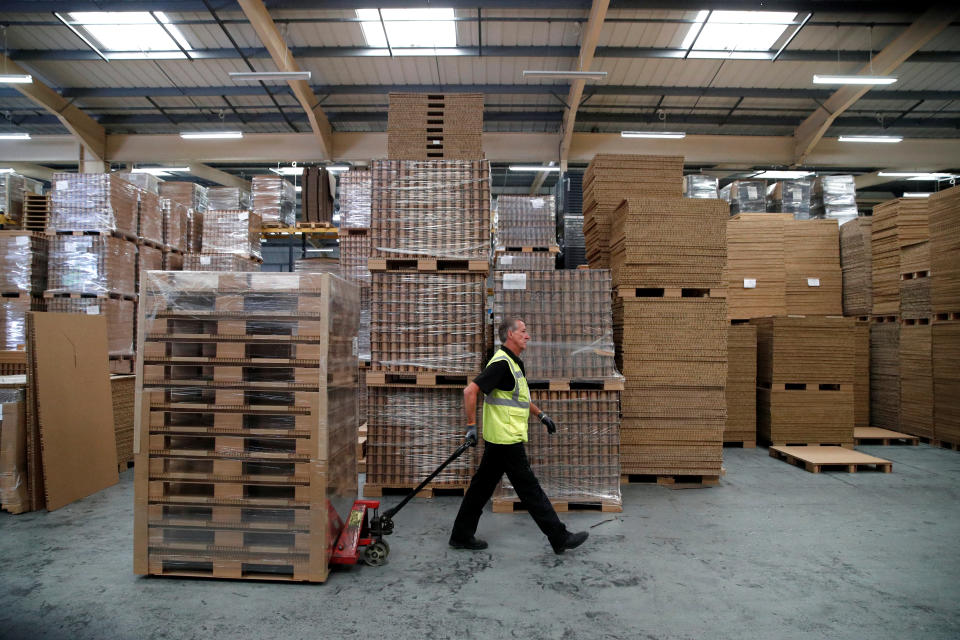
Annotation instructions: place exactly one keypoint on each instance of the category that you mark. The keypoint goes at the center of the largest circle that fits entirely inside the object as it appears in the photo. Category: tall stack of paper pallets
(440, 126)
(246, 424)
(944, 221)
(670, 325)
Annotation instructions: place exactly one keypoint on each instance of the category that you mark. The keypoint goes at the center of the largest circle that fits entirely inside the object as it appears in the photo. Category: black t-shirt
(498, 376)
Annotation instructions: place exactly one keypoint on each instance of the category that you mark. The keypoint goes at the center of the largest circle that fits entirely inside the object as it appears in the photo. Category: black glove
(548, 422)
(471, 436)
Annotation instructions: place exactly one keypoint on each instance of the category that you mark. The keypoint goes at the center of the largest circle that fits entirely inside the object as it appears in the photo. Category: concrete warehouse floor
(773, 552)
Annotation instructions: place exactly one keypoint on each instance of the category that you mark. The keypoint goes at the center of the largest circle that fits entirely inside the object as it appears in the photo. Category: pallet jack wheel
(376, 554)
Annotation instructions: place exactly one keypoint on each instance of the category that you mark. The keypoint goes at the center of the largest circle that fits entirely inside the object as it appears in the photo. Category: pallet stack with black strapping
(246, 427)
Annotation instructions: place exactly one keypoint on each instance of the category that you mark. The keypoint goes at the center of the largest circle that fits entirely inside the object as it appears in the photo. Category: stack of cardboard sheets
(856, 264)
(945, 302)
(526, 221)
(275, 200)
(915, 281)
(444, 126)
(945, 351)
(885, 252)
(741, 388)
(885, 373)
(354, 198)
(861, 373)
(814, 281)
(916, 378)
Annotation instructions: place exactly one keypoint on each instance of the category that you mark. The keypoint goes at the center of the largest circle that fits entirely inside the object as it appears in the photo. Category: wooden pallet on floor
(816, 458)
(508, 505)
(885, 437)
(676, 481)
(844, 445)
(430, 491)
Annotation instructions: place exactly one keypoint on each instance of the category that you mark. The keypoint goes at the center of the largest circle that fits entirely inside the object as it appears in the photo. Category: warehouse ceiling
(162, 67)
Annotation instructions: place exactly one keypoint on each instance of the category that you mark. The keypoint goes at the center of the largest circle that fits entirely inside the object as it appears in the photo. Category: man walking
(506, 408)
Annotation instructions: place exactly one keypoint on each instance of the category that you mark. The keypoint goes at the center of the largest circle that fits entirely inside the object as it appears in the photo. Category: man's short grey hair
(508, 324)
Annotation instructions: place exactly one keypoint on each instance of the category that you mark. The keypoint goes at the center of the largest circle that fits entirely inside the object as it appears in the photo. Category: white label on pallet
(813, 282)
(749, 283)
(514, 281)
(63, 185)
(356, 345)
(204, 260)
(752, 193)
(23, 240)
(537, 203)
(505, 260)
(93, 310)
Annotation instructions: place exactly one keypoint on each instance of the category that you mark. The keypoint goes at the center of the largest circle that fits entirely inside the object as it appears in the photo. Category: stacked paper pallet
(354, 255)
(611, 178)
(444, 126)
(741, 387)
(123, 393)
(944, 220)
(856, 263)
(885, 252)
(861, 373)
(227, 199)
(805, 369)
(885, 372)
(232, 231)
(355, 199)
(525, 221)
(23, 279)
(746, 196)
(670, 330)
(274, 200)
(248, 431)
(915, 281)
(916, 377)
(218, 262)
(814, 281)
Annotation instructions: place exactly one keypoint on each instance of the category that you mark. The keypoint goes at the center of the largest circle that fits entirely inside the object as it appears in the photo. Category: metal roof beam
(931, 23)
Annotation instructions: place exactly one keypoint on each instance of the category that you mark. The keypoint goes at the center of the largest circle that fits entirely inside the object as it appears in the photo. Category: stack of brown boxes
(611, 178)
(93, 227)
(945, 302)
(275, 201)
(248, 431)
(805, 368)
(23, 279)
(569, 364)
(856, 263)
(741, 389)
(445, 126)
(670, 328)
(316, 196)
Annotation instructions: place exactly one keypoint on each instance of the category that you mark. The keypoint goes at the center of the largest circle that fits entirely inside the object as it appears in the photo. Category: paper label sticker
(63, 185)
(752, 193)
(537, 203)
(749, 283)
(356, 345)
(514, 281)
(506, 260)
(93, 310)
(813, 282)
(205, 260)
(23, 240)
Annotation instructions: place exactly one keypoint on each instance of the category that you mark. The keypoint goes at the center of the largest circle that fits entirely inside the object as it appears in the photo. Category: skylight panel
(409, 28)
(737, 30)
(133, 31)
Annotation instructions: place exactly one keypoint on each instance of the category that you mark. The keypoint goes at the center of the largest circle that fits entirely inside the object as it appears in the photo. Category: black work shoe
(473, 544)
(573, 541)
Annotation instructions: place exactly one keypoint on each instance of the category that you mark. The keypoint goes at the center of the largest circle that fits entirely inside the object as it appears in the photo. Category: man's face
(519, 336)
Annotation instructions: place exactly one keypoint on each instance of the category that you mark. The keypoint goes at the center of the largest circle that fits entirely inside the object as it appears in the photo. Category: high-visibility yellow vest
(505, 413)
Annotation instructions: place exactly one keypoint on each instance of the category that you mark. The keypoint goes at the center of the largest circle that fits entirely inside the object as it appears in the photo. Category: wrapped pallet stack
(569, 363)
(944, 220)
(525, 238)
(248, 431)
(834, 198)
(231, 235)
(274, 200)
(429, 242)
(670, 326)
(354, 255)
(92, 253)
(746, 196)
(14, 189)
(23, 279)
(194, 197)
(444, 126)
(791, 196)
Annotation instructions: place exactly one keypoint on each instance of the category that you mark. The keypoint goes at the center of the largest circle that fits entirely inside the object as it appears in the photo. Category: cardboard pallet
(885, 437)
(816, 459)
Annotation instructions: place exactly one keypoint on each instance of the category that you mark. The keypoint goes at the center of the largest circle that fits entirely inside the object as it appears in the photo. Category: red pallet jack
(365, 528)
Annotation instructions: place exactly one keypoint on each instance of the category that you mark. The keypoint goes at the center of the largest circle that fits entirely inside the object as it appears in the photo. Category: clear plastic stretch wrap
(248, 432)
(14, 494)
(363, 338)
(218, 262)
(791, 196)
(120, 315)
(91, 264)
(194, 232)
(151, 218)
(835, 197)
(438, 209)
(354, 254)
(355, 199)
(581, 462)
(746, 196)
(222, 198)
(568, 316)
(526, 221)
(700, 186)
(275, 199)
(13, 319)
(146, 181)
(318, 265)
(427, 321)
(522, 261)
(13, 188)
(23, 262)
(190, 194)
(93, 202)
(411, 430)
(176, 217)
(232, 231)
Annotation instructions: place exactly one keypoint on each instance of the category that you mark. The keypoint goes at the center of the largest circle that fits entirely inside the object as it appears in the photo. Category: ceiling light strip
(888, 139)
(666, 135)
(210, 135)
(819, 78)
(14, 136)
(269, 75)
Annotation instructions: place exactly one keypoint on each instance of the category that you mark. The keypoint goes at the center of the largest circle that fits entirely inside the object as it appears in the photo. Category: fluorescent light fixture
(7, 170)
(210, 135)
(736, 34)
(298, 188)
(670, 135)
(916, 194)
(287, 171)
(254, 76)
(136, 34)
(532, 167)
(319, 250)
(160, 171)
(916, 175)
(888, 139)
(14, 136)
(16, 78)
(408, 28)
(782, 175)
(819, 78)
(572, 75)
(336, 168)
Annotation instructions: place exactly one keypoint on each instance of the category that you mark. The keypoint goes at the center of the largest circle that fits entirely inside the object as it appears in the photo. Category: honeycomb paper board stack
(915, 281)
(150, 219)
(814, 280)
(756, 265)
(945, 351)
(23, 279)
(885, 251)
(123, 392)
(944, 219)
(885, 373)
(857, 267)
(741, 388)
(446, 126)
(611, 178)
(805, 371)
(916, 378)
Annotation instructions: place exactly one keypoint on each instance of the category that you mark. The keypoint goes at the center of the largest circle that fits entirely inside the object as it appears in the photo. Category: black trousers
(512, 460)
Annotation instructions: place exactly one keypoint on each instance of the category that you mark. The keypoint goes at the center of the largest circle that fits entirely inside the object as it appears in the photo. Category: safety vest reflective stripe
(504, 402)
(505, 413)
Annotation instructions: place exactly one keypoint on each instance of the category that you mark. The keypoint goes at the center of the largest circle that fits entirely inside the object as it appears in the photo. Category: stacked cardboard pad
(569, 362)
(23, 279)
(430, 235)
(248, 430)
(670, 329)
(885, 247)
(805, 368)
(611, 178)
(944, 221)
(856, 263)
(445, 126)
(741, 387)
(861, 372)
(885, 372)
(123, 394)
(232, 235)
